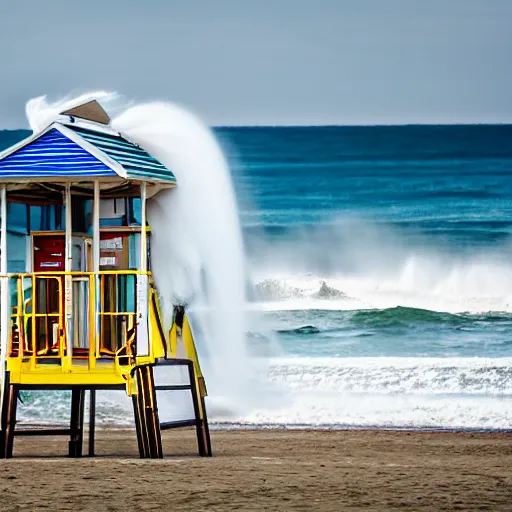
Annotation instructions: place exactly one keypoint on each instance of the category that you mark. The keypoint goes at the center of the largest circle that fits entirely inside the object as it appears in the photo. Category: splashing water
(197, 249)
(365, 367)
(40, 112)
(358, 264)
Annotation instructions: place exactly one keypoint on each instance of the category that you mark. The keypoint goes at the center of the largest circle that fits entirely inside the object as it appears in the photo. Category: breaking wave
(465, 393)
(358, 264)
(464, 289)
(461, 393)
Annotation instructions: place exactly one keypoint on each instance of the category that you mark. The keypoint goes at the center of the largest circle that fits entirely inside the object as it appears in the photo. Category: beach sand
(266, 470)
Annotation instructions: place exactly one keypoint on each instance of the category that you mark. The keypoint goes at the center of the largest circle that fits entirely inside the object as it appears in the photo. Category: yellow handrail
(56, 344)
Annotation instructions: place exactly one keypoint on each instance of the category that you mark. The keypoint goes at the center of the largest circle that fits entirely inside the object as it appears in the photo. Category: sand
(266, 470)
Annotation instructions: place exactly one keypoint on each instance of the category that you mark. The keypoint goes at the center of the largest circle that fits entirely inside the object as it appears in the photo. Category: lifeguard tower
(79, 307)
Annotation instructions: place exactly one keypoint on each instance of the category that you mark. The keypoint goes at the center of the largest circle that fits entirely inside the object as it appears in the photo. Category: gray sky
(267, 62)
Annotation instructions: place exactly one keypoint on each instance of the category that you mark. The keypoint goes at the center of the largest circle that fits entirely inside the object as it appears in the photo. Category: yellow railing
(97, 322)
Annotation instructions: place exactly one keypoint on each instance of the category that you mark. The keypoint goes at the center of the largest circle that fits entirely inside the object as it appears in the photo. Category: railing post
(33, 322)
(96, 240)
(20, 317)
(68, 288)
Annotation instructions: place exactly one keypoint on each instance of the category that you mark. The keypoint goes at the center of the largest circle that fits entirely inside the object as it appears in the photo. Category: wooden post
(96, 238)
(206, 429)
(143, 342)
(4, 415)
(202, 431)
(149, 435)
(141, 438)
(140, 419)
(92, 420)
(77, 422)
(68, 280)
(12, 403)
(143, 230)
(4, 299)
(151, 410)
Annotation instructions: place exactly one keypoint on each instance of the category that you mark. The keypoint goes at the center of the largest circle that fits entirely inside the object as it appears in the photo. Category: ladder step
(177, 424)
(174, 387)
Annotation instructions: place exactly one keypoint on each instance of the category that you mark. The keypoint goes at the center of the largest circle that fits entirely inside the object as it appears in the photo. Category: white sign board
(142, 316)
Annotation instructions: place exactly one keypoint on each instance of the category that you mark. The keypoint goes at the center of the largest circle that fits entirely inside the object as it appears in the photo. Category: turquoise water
(379, 273)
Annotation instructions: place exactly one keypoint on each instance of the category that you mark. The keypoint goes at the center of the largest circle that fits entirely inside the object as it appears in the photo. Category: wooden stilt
(3, 418)
(149, 434)
(77, 422)
(206, 430)
(138, 427)
(11, 420)
(145, 409)
(140, 422)
(92, 421)
(151, 414)
(202, 431)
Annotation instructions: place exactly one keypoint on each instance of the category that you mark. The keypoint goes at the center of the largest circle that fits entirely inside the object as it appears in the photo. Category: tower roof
(79, 146)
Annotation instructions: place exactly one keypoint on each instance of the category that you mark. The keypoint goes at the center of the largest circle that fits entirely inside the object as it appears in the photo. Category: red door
(49, 252)
(49, 255)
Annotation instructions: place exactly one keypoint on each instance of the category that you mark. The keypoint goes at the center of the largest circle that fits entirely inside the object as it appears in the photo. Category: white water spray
(40, 112)
(197, 250)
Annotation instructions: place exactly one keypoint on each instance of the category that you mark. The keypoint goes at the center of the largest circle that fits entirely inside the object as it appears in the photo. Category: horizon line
(336, 125)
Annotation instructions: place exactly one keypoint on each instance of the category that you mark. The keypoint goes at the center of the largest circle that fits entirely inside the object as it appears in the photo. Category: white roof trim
(65, 119)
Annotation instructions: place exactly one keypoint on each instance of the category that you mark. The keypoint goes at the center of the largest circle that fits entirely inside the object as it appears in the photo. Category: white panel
(174, 405)
(170, 375)
(142, 315)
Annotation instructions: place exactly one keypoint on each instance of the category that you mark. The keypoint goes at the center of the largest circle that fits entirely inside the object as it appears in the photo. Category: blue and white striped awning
(52, 155)
(80, 151)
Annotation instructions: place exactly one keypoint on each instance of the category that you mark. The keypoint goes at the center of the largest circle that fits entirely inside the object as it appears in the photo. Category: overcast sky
(267, 61)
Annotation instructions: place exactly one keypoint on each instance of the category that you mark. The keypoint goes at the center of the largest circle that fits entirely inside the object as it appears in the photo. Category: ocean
(379, 276)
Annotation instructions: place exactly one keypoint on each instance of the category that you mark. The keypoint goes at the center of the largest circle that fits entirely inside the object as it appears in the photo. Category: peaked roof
(91, 111)
(72, 148)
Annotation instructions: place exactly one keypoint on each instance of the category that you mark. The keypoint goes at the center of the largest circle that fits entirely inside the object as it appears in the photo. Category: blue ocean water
(379, 273)
(381, 260)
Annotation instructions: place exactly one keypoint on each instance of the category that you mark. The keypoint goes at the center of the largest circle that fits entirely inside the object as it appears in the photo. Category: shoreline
(235, 427)
(281, 469)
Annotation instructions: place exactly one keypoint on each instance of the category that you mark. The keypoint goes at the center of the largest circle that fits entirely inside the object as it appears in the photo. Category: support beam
(68, 281)
(76, 425)
(147, 423)
(143, 342)
(4, 295)
(96, 228)
(143, 231)
(12, 404)
(69, 229)
(202, 430)
(92, 421)
(96, 240)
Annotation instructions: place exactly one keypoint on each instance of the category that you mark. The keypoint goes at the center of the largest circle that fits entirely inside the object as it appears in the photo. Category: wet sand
(266, 470)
